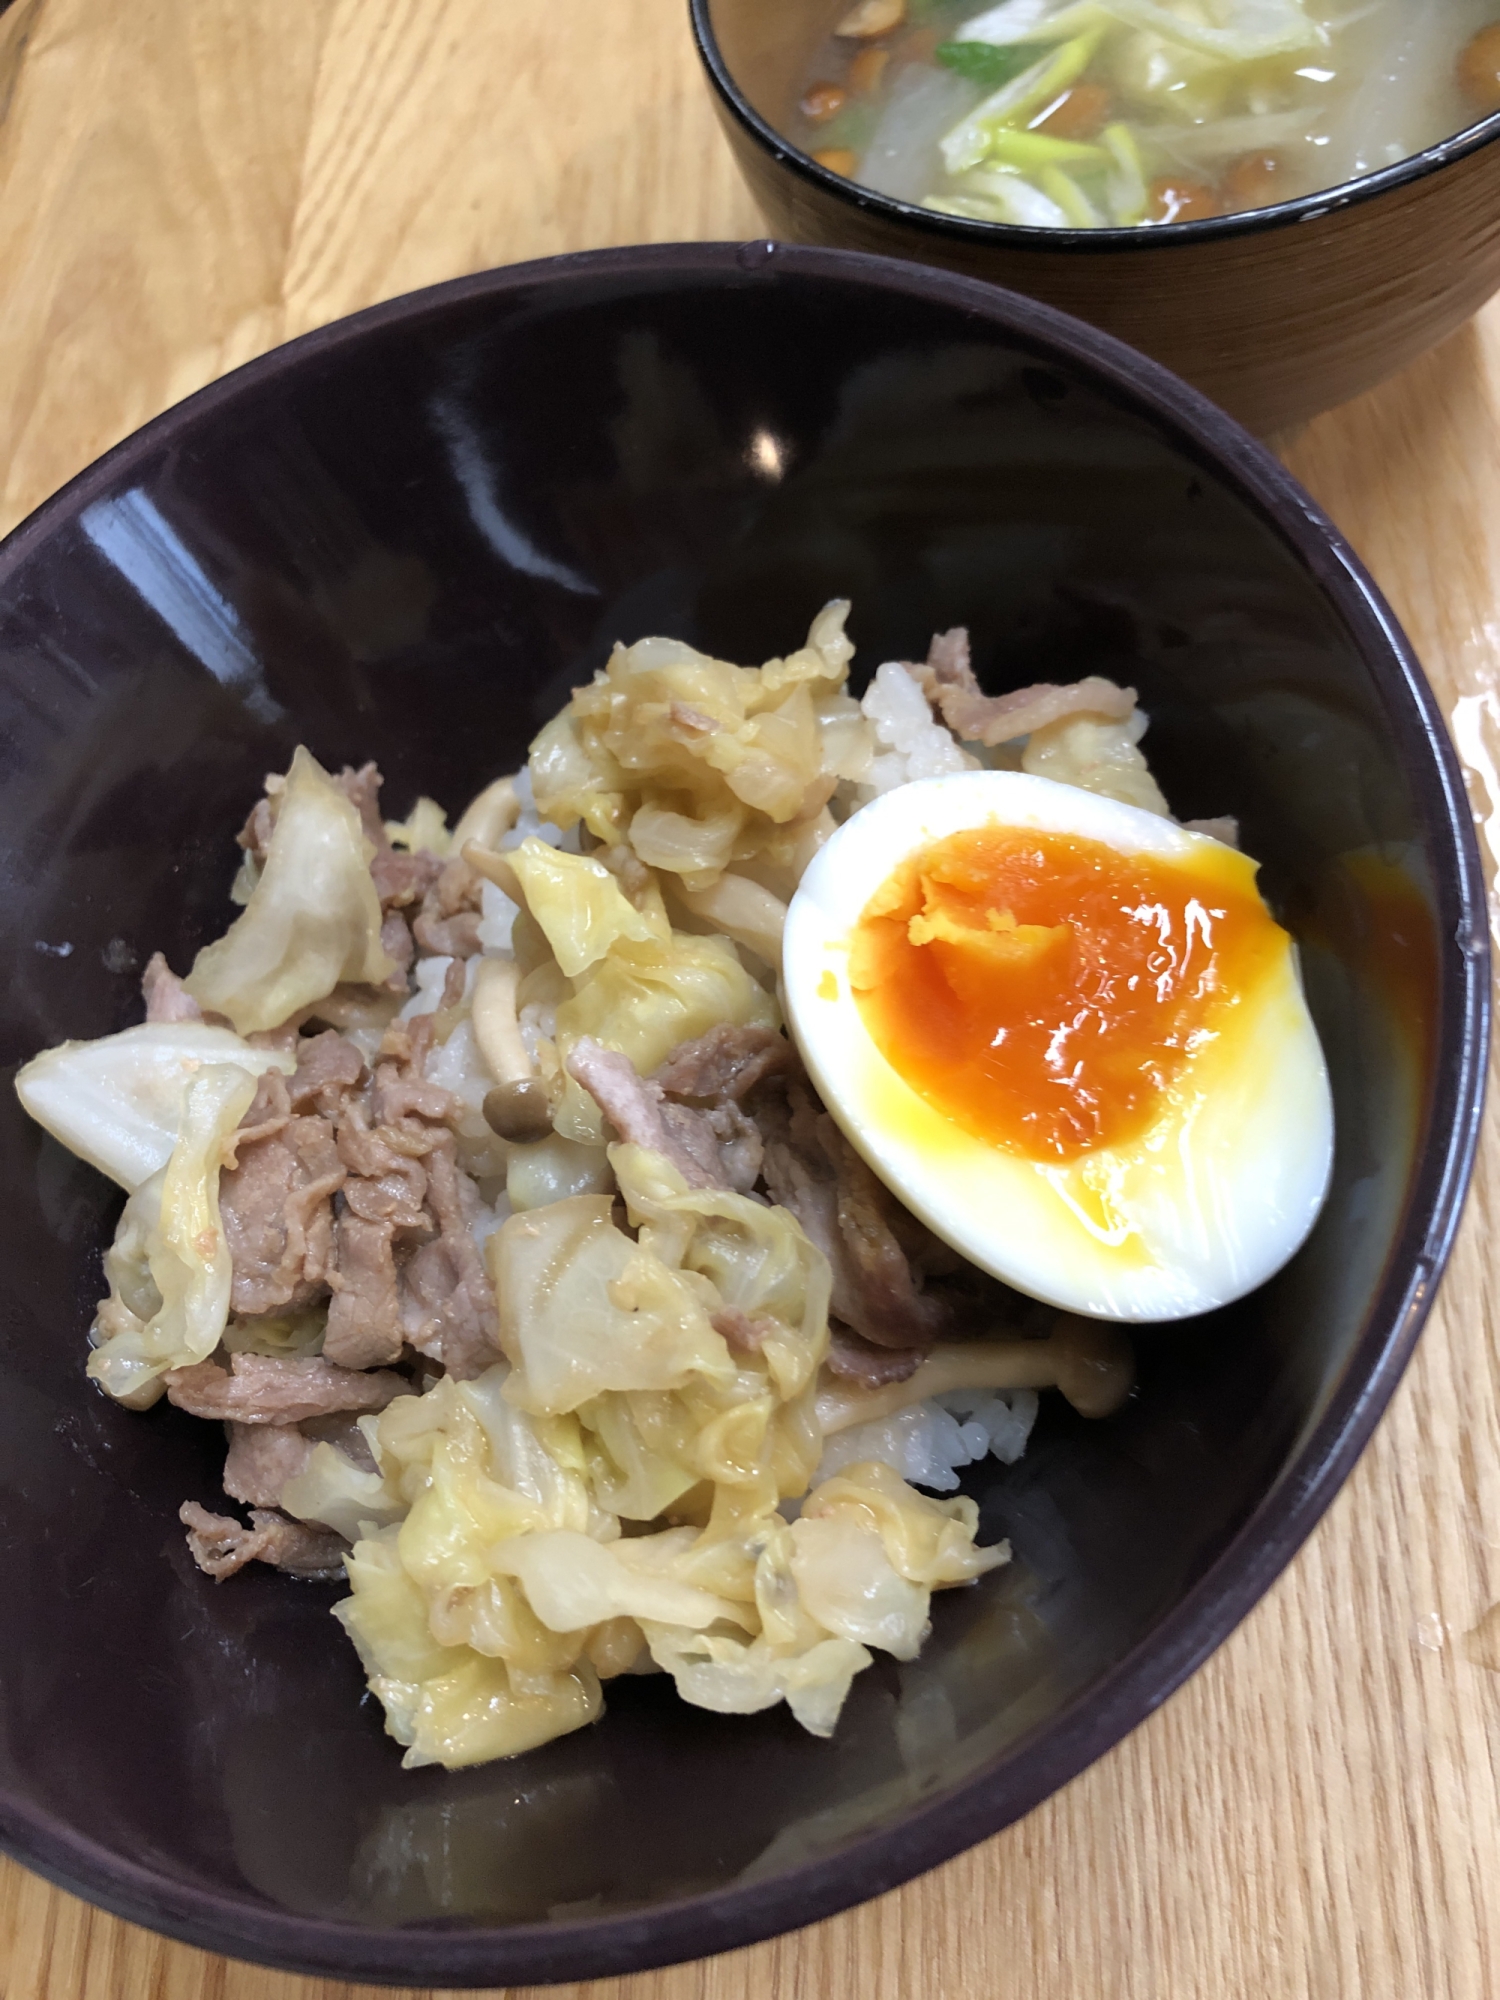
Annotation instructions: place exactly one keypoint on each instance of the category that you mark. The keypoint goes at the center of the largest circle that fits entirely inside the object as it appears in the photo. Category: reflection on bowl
(1277, 313)
(405, 537)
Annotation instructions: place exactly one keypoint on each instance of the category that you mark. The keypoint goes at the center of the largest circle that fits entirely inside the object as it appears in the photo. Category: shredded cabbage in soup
(475, 1189)
(1087, 114)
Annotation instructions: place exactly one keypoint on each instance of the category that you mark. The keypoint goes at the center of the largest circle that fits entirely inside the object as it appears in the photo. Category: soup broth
(1127, 113)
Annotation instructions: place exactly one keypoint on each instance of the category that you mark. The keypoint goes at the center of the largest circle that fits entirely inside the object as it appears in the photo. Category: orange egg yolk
(1044, 991)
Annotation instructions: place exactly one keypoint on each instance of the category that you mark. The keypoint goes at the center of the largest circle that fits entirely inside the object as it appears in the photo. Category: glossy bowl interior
(1276, 314)
(406, 537)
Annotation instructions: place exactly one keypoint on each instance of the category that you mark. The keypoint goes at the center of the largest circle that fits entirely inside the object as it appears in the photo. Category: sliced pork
(221, 1546)
(714, 1148)
(277, 1204)
(262, 1458)
(278, 1389)
(167, 999)
(947, 679)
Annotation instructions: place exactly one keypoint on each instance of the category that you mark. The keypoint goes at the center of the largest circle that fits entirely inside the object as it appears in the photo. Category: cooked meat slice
(397, 943)
(167, 999)
(742, 1332)
(630, 1103)
(447, 925)
(262, 1458)
(328, 1068)
(447, 1302)
(811, 1169)
(893, 1311)
(727, 1062)
(710, 1149)
(947, 679)
(277, 1202)
(448, 937)
(276, 1389)
(364, 1314)
(362, 789)
(401, 1093)
(220, 1545)
(403, 879)
(738, 1139)
(385, 1185)
(855, 1360)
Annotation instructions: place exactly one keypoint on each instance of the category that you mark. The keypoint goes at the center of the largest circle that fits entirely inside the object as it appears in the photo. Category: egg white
(1201, 1208)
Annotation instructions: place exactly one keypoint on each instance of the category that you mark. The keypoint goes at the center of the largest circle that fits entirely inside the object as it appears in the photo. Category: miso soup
(1089, 114)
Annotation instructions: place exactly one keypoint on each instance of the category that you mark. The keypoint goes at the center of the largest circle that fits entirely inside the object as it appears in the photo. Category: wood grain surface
(183, 183)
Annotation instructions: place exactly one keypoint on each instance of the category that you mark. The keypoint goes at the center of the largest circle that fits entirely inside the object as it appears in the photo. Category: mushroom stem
(494, 868)
(493, 1014)
(744, 911)
(488, 817)
(1090, 1361)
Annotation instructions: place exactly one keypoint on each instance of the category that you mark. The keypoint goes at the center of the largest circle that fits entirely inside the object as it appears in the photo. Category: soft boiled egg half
(1070, 1037)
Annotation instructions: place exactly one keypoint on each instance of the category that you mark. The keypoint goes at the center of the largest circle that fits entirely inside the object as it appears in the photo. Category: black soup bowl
(1276, 313)
(406, 537)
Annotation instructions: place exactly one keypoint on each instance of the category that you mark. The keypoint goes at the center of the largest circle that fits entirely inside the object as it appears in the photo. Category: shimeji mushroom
(1089, 1360)
(518, 1108)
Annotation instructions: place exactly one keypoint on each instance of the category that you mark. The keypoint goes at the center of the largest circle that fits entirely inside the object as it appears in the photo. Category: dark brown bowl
(406, 536)
(1276, 314)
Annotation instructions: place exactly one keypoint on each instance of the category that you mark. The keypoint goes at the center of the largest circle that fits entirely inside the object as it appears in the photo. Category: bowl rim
(972, 230)
(1093, 1722)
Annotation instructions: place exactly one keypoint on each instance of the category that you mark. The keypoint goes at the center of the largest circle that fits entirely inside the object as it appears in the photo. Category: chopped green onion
(1031, 151)
(1014, 102)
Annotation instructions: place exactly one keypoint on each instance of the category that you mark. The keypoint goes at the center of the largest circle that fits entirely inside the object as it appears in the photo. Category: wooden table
(184, 183)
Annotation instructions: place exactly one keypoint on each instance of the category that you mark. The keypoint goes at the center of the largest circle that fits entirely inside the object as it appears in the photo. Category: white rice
(497, 915)
(911, 744)
(928, 1442)
(531, 826)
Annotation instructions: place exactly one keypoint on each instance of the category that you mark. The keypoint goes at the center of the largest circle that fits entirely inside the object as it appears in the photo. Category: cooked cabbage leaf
(174, 1236)
(117, 1102)
(697, 763)
(736, 1676)
(334, 1492)
(313, 920)
(584, 1310)
(643, 999)
(580, 906)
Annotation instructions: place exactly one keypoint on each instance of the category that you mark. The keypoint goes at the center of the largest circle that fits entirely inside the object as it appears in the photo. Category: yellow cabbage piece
(581, 907)
(117, 1102)
(930, 1542)
(868, 1550)
(312, 921)
(1096, 756)
(336, 1493)
(848, 1584)
(573, 1583)
(487, 1617)
(479, 1712)
(170, 1249)
(425, 829)
(584, 1310)
(643, 999)
(449, 1703)
(698, 763)
(737, 1676)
